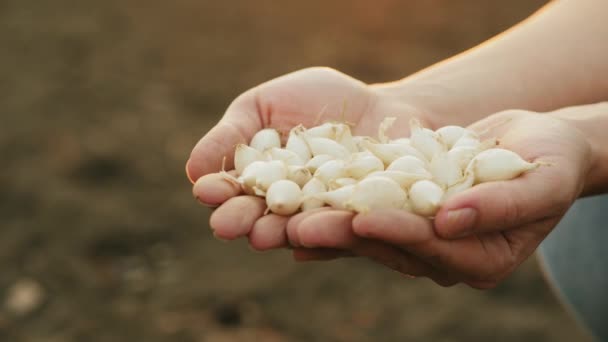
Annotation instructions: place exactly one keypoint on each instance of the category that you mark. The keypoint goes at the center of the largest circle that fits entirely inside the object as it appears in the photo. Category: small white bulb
(284, 197)
(344, 137)
(313, 164)
(286, 156)
(320, 146)
(462, 155)
(425, 197)
(312, 188)
(245, 155)
(450, 134)
(265, 139)
(404, 179)
(363, 164)
(376, 193)
(402, 141)
(298, 174)
(446, 171)
(326, 130)
(389, 152)
(337, 131)
(341, 182)
(260, 174)
(468, 139)
(331, 170)
(409, 164)
(425, 140)
(361, 154)
(465, 183)
(337, 198)
(498, 164)
(297, 144)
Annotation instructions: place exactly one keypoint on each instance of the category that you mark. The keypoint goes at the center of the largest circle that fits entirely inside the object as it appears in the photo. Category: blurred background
(101, 102)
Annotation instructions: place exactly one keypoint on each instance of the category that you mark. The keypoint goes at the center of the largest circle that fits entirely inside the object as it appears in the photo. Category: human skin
(481, 235)
(552, 60)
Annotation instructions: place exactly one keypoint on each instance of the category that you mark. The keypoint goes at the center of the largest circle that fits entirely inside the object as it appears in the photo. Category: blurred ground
(100, 240)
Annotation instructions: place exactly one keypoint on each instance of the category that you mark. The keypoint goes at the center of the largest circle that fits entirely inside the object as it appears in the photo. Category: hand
(310, 97)
(481, 235)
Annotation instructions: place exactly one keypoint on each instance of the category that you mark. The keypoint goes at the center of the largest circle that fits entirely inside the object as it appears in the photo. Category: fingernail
(460, 221)
(188, 173)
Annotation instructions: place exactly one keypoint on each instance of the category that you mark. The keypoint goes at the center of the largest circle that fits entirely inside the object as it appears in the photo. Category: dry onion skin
(327, 165)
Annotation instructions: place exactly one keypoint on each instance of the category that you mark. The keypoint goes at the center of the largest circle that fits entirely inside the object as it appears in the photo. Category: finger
(188, 173)
(477, 257)
(409, 232)
(214, 189)
(319, 254)
(496, 206)
(400, 261)
(268, 232)
(238, 126)
(294, 222)
(415, 235)
(327, 229)
(408, 266)
(522, 242)
(236, 217)
(333, 229)
(394, 226)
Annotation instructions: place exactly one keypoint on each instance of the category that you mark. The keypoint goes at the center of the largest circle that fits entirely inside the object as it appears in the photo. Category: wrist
(413, 98)
(441, 104)
(592, 122)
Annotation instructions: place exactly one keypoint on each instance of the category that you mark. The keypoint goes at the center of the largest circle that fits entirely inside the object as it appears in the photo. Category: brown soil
(101, 102)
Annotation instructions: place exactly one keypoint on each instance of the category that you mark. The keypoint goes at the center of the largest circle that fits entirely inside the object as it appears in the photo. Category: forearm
(556, 58)
(592, 122)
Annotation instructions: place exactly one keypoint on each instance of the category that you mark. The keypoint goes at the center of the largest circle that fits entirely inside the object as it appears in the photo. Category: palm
(513, 216)
(534, 137)
(311, 96)
(308, 97)
(316, 95)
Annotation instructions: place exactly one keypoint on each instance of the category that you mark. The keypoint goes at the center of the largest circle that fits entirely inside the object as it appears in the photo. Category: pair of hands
(478, 237)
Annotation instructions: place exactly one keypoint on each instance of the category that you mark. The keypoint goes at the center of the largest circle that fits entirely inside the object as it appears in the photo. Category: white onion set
(327, 166)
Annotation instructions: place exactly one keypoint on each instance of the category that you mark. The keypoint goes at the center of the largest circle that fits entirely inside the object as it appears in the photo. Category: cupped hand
(480, 235)
(309, 97)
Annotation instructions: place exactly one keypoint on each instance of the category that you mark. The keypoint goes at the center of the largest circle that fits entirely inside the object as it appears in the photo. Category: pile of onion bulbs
(326, 165)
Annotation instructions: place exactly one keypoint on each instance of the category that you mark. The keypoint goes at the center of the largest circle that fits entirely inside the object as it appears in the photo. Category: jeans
(574, 258)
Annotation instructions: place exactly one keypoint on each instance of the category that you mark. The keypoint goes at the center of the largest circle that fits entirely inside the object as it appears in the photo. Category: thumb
(497, 206)
(238, 125)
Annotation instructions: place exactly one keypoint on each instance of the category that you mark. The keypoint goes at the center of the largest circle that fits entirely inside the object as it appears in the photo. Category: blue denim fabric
(574, 258)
